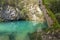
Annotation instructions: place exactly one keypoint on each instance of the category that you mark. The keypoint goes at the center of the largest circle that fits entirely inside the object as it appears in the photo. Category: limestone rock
(10, 13)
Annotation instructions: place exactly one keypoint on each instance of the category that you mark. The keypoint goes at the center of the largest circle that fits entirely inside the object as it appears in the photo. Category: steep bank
(24, 9)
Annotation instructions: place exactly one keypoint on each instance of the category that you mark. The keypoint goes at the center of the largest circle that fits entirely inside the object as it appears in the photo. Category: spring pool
(20, 29)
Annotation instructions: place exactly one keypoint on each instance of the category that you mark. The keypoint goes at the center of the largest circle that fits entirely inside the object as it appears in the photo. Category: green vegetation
(51, 12)
(54, 6)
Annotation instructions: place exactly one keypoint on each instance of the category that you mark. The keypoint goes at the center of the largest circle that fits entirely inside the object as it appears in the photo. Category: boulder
(10, 13)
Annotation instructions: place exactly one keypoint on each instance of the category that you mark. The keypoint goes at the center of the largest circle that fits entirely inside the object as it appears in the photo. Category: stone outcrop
(10, 13)
(29, 11)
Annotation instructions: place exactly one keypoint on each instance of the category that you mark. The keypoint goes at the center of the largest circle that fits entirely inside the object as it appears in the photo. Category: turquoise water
(21, 28)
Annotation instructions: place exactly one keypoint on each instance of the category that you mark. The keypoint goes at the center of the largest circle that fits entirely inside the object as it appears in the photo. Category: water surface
(21, 28)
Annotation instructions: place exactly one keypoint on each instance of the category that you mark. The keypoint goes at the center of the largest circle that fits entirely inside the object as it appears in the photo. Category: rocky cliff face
(29, 11)
(10, 13)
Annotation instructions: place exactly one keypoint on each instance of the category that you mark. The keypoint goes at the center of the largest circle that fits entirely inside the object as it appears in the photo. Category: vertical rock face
(29, 11)
(10, 13)
(35, 13)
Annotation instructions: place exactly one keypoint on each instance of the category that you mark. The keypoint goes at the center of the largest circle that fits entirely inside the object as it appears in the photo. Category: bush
(51, 14)
(54, 5)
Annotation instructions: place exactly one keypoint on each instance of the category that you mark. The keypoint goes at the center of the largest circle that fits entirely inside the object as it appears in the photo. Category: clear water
(20, 28)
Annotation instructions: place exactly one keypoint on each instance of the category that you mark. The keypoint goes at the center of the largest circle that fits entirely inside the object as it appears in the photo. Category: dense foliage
(54, 6)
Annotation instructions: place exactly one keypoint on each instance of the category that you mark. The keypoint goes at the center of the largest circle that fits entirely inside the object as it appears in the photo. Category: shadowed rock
(10, 13)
